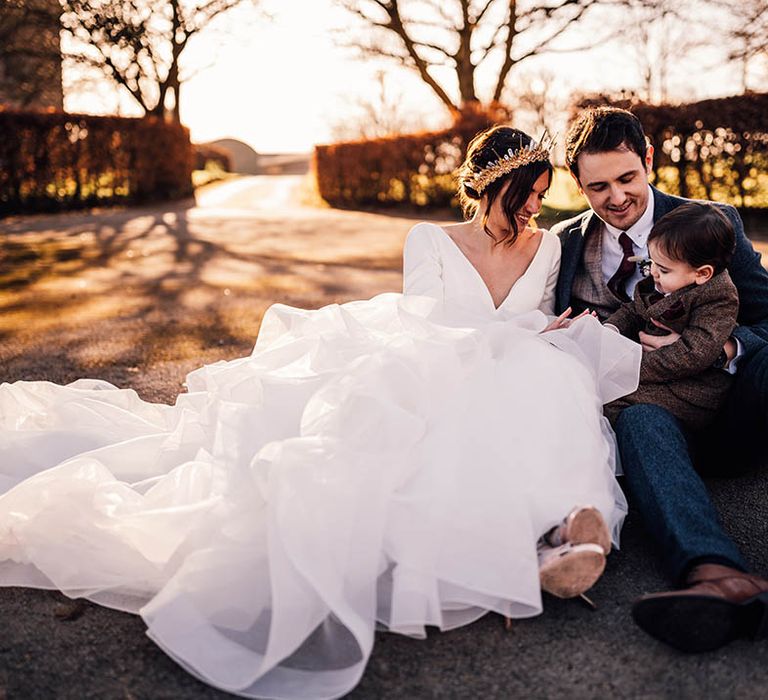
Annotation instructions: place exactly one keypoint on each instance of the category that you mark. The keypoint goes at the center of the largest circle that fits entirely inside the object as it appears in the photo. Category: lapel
(573, 250)
(663, 203)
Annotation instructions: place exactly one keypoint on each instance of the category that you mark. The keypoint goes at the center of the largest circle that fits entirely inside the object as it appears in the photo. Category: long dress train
(379, 463)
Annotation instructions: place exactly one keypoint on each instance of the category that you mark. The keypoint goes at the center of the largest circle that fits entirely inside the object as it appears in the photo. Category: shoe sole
(573, 572)
(695, 623)
(587, 526)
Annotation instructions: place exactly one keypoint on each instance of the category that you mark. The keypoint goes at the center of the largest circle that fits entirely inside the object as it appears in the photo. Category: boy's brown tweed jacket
(680, 376)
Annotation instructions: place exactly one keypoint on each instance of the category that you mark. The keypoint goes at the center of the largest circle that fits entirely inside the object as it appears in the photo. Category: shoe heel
(570, 570)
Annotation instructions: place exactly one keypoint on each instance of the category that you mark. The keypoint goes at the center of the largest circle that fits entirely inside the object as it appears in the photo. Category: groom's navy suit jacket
(749, 276)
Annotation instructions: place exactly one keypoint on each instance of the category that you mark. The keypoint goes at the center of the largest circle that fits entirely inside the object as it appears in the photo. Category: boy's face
(615, 184)
(670, 275)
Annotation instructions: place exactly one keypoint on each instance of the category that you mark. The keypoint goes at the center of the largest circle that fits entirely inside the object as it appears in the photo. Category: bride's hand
(562, 321)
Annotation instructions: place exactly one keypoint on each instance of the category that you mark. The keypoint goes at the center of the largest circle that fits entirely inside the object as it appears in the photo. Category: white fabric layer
(370, 462)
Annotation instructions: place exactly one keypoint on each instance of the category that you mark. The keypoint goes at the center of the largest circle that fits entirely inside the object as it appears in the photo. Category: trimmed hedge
(713, 149)
(55, 160)
(416, 169)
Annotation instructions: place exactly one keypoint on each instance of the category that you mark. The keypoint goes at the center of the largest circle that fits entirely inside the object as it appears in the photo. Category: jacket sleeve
(751, 279)
(710, 324)
(626, 319)
(571, 242)
(422, 264)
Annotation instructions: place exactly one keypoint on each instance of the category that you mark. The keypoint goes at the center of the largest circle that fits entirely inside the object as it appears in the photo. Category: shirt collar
(640, 230)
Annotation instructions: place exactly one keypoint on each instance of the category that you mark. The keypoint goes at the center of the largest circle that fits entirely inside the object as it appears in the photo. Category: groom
(717, 600)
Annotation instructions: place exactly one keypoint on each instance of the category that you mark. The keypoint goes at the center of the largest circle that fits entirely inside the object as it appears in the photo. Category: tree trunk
(172, 81)
(506, 66)
(465, 70)
(172, 85)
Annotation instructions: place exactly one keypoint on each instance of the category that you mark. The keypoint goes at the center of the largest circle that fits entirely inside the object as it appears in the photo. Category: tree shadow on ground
(104, 294)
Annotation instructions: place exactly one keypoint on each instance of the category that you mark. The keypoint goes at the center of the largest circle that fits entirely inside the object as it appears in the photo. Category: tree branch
(481, 14)
(508, 62)
(139, 43)
(421, 66)
(420, 48)
(435, 47)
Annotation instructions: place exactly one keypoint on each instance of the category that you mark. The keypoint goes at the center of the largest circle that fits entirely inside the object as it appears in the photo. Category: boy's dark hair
(601, 129)
(696, 233)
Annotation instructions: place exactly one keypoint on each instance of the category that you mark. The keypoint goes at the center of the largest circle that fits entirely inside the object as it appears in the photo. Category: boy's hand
(654, 342)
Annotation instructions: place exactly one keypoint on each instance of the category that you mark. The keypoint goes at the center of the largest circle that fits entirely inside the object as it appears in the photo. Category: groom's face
(615, 184)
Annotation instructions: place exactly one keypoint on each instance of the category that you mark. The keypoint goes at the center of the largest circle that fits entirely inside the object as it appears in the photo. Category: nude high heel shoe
(569, 570)
(583, 525)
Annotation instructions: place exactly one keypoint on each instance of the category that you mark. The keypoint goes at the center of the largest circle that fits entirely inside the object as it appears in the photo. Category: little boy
(689, 292)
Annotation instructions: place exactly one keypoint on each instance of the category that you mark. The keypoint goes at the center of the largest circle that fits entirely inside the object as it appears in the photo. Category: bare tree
(539, 102)
(139, 43)
(747, 35)
(662, 34)
(30, 56)
(382, 114)
(461, 36)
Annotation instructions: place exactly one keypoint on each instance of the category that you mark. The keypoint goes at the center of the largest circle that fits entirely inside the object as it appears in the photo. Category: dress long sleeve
(422, 265)
(548, 298)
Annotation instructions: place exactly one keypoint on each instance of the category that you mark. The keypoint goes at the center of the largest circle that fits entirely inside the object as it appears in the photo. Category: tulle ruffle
(371, 464)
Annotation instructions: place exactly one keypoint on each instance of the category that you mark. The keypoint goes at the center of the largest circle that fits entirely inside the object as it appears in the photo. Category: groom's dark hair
(601, 129)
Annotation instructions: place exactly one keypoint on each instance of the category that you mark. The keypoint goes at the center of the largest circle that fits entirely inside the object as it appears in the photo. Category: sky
(285, 84)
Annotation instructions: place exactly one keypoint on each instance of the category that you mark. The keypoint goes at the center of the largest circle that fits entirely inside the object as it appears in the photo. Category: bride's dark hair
(488, 146)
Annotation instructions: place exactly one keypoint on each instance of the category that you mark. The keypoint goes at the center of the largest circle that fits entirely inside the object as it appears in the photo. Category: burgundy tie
(618, 283)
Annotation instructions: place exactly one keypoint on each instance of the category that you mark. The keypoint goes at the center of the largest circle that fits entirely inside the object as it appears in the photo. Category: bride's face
(498, 222)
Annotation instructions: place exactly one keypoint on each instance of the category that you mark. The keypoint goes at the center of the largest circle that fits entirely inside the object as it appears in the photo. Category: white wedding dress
(386, 462)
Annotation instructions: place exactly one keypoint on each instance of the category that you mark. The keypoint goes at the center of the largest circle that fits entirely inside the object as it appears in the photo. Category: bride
(406, 461)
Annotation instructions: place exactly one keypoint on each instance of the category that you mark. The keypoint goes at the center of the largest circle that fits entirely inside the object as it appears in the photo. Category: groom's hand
(654, 342)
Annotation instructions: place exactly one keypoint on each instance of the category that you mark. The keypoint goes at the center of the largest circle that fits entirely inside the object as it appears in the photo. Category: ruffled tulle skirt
(370, 464)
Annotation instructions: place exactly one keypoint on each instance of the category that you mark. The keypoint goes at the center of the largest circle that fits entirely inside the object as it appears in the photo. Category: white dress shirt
(612, 250)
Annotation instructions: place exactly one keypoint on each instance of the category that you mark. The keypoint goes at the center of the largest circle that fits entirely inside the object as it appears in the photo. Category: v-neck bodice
(480, 277)
(434, 265)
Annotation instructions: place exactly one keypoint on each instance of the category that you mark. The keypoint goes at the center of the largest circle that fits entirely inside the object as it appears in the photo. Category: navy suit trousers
(664, 476)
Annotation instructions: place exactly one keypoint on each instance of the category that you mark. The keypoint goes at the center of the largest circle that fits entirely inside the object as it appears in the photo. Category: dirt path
(141, 296)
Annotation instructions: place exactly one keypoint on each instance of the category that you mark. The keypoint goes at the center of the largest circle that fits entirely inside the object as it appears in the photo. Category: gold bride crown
(510, 161)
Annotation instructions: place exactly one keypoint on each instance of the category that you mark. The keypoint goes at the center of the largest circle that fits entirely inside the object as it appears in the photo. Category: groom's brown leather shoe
(719, 605)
